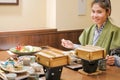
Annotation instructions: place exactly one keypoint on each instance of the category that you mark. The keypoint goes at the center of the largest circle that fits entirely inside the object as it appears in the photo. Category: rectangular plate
(74, 66)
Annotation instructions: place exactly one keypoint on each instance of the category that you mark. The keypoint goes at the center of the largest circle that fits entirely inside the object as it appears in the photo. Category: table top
(112, 73)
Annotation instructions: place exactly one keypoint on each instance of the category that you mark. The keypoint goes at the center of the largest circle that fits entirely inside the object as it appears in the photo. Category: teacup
(37, 67)
(26, 61)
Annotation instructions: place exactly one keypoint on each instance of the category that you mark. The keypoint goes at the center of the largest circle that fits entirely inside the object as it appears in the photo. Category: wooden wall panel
(50, 37)
(35, 38)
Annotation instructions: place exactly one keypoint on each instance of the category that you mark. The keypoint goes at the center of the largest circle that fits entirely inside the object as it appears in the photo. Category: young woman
(103, 33)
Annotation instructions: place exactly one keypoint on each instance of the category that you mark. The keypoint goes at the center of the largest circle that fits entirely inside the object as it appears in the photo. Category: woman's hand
(110, 60)
(67, 44)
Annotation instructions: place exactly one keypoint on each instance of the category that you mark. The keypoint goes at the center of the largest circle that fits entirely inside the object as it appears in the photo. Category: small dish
(13, 71)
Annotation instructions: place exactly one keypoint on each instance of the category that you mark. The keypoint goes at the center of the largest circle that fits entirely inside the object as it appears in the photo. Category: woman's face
(98, 14)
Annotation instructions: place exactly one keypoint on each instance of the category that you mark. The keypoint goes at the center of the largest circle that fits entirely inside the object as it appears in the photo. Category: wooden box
(90, 52)
(51, 58)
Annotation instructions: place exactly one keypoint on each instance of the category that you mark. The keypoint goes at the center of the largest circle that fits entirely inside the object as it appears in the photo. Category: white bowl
(11, 76)
(37, 67)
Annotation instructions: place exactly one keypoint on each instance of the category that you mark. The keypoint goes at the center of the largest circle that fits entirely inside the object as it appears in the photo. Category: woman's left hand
(110, 60)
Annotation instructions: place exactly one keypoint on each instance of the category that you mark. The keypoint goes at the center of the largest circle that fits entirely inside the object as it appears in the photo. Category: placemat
(75, 66)
(85, 73)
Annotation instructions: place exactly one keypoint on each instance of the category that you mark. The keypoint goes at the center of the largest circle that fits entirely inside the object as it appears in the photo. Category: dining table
(111, 72)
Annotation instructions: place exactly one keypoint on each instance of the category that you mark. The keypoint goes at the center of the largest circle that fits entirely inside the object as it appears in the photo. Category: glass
(102, 64)
(33, 77)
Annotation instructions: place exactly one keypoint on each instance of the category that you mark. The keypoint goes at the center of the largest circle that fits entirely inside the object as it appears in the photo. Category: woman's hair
(105, 4)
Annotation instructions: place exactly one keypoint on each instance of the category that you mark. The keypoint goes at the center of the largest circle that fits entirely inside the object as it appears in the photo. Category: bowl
(11, 76)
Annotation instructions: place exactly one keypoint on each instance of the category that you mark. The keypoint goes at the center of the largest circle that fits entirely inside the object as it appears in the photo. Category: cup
(32, 59)
(26, 61)
(37, 67)
(33, 76)
(11, 76)
(79, 61)
(102, 64)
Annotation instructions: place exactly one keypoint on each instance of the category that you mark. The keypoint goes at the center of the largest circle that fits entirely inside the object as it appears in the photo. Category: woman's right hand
(67, 44)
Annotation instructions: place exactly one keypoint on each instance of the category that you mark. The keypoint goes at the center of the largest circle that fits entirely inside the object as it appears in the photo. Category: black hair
(105, 4)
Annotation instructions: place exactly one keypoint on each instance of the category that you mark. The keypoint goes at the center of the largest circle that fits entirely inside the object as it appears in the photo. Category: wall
(29, 14)
(67, 15)
(33, 15)
(115, 15)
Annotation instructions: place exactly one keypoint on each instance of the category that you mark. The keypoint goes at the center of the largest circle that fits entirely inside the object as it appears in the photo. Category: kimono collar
(101, 28)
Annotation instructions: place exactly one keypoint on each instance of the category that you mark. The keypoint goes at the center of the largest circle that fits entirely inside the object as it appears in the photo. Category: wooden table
(112, 73)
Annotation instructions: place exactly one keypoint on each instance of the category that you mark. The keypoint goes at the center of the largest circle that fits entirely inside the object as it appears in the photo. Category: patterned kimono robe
(109, 38)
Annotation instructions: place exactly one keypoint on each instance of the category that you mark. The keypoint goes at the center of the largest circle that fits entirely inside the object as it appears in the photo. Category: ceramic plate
(36, 49)
(13, 71)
